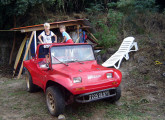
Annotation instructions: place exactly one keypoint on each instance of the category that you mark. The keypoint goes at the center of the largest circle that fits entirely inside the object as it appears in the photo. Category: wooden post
(12, 50)
(26, 52)
(35, 41)
(78, 33)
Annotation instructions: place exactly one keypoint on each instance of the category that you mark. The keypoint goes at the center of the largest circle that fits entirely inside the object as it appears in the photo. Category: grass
(146, 77)
(135, 73)
(142, 43)
(17, 106)
(35, 114)
(6, 82)
(21, 100)
(36, 106)
(17, 93)
(83, 110)
(127, 111)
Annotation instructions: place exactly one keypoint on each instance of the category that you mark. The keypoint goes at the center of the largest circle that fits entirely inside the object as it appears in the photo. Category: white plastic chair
(123, 52)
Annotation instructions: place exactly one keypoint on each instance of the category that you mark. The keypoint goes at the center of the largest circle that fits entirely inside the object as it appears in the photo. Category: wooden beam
(26, 52)
(53, 26)
(98, 48)
(12, 50)
(91, 40)
(92, 35)
(80, 21)
(85, 27)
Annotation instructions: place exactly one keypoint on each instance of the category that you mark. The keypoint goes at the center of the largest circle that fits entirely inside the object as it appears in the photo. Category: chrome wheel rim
(50, 102)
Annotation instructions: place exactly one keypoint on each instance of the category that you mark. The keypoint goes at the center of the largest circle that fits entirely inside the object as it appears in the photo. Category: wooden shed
(77, 26)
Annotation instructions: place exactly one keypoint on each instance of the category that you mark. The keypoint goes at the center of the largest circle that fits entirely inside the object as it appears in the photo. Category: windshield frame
(72, 45)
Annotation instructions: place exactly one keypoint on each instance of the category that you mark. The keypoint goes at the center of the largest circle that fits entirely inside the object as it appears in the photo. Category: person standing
(47, 38)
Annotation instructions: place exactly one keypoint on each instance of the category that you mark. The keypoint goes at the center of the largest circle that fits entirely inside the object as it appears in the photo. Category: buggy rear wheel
(29, 83)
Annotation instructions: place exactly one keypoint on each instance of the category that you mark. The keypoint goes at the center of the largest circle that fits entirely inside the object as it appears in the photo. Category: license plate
(99, 95)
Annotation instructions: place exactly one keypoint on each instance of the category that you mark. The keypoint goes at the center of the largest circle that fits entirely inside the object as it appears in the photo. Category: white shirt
(47, 38)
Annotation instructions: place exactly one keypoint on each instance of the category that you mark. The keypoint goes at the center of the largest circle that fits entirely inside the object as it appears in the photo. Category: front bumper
(84, 98)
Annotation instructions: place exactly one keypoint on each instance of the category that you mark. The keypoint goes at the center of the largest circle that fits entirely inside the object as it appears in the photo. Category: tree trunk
(12, 50)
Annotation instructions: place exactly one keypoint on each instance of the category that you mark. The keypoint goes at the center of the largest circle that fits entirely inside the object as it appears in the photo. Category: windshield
(72, 53)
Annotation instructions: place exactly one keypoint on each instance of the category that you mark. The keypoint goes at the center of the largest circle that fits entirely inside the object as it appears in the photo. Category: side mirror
(44, 67)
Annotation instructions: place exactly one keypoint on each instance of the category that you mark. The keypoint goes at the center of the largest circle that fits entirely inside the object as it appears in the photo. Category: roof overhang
(82, 23)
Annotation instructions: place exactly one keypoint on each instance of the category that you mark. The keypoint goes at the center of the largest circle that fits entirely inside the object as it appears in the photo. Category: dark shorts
(46, 51)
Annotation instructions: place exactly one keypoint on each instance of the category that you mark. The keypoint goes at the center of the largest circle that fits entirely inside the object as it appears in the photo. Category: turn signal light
(113, 83)
(81, 88)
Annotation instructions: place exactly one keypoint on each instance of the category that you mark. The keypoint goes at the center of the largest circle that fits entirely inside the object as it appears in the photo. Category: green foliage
(18, 7)
(94, 9)
(126, 6)
(134, 12)
(137, 6)
(108, 36)
(145, 5)
(164, 11)
(10, 9)
(112, 5)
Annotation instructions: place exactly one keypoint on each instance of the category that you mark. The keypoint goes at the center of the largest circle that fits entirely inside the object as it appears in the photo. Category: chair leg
(134, 45)
(115, 66)
(126, 56)
(118, 64)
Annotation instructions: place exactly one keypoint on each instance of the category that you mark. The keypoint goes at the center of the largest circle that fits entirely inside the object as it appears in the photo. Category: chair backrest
(126, 44)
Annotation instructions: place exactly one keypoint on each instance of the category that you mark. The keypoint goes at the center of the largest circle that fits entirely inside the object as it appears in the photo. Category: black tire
(55, 101)
(29, 83)
(117, 97)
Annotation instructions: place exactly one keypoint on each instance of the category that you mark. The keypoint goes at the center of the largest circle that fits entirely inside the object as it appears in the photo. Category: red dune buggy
(71, 75)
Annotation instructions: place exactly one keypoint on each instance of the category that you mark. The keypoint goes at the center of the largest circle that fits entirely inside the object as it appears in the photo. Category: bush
(109, 31)
(137, 6)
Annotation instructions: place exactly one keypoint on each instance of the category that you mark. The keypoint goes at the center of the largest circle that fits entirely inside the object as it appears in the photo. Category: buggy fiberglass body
(72, 75)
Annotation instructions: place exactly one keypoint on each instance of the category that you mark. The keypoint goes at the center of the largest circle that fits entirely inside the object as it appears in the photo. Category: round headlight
(109, 75)
(77, 80)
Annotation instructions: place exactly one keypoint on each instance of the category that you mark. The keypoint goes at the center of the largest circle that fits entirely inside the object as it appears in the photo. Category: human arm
(55, 36)
(63, 39)
(39, 37)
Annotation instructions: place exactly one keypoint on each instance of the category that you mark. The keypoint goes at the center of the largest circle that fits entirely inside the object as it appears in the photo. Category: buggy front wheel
(55, 101)
(116, 97)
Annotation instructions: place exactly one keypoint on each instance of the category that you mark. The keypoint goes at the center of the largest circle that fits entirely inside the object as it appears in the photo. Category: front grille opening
(84, 98)
(112, 92)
